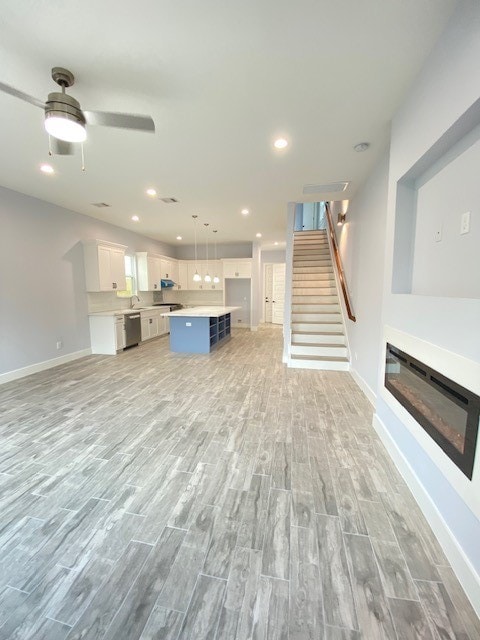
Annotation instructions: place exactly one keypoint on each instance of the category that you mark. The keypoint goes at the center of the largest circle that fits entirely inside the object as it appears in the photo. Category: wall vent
(100, 205)
(325, 188)
(169, 200)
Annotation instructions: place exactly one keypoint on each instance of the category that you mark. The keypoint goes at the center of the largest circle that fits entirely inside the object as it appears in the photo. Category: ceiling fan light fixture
(65, 126)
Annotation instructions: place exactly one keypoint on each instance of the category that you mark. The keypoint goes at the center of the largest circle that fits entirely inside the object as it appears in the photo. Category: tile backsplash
(109, 301)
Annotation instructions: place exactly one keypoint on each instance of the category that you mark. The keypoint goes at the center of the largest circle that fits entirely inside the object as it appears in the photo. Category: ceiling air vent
(325, 188)
(100, 205)
(169, 200)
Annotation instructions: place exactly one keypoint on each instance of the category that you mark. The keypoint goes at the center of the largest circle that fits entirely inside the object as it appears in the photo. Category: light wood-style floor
(222, 497)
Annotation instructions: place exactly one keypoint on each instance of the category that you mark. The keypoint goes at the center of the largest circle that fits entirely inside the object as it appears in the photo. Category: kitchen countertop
(201, 312)
(122, 312)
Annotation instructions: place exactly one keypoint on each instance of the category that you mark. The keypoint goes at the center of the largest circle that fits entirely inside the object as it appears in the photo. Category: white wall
(445, 89)
(451, 266)
(42, 292)
(361, 242)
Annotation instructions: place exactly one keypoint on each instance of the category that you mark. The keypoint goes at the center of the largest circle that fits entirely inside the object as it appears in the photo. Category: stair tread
(333, 345)
(317, 333)
(296, 356)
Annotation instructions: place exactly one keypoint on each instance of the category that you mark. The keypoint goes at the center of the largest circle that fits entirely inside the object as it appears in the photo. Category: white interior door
(268, 292)
(278, 291)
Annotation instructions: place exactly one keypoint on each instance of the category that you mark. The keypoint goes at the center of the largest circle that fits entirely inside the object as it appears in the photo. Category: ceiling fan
(65, 120)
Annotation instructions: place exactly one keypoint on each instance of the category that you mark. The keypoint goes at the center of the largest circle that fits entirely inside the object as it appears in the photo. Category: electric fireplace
(448, 412)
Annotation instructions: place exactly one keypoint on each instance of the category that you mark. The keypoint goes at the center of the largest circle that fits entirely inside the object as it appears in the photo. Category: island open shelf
(199, 330)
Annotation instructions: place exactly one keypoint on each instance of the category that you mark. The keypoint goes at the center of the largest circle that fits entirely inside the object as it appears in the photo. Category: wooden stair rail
(338, 261)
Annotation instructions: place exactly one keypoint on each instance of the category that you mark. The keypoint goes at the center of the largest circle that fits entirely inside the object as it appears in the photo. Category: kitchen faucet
(131, 300)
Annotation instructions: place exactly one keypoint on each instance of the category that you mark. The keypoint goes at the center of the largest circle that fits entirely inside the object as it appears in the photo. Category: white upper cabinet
(239, 268)
(182, 281)
(169, 268)
(148, 271)
(104, 266)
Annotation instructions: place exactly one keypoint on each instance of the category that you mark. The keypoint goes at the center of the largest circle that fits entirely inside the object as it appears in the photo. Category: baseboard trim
(468, 577)
(367, 390)
(42, 366)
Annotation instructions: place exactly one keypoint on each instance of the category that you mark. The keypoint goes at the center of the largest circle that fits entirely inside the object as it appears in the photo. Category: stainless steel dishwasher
(133, 330)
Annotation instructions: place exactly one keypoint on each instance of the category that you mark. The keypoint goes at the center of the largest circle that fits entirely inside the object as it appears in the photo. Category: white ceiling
(221, 79)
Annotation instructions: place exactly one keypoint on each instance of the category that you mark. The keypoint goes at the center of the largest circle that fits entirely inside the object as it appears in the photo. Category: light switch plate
(438, 234)
(465, 223)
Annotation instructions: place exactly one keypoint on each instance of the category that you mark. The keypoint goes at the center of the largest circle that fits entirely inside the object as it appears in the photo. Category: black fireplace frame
(455, 392)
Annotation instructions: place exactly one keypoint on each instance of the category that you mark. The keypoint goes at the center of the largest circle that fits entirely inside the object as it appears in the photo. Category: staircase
(318, 337)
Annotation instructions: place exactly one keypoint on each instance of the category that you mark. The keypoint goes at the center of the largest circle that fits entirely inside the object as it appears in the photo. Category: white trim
(367, 390)
(42, 366)
(468, 577)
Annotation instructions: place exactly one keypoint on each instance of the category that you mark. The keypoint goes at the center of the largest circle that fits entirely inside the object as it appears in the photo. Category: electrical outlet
(465, 223)
(438, 234)
(59, 344)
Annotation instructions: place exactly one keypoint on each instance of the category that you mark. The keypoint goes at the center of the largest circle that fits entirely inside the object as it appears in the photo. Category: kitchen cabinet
(149, 271)
(169, 269)
(149, 324)
(240, 268)
(183, 282)
(104, 266)
(120, 333)
(153, 324)
(212, 267)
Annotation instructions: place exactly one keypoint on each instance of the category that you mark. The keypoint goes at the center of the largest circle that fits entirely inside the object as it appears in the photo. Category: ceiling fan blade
(121, 120)
(16, 93)
(61, 147)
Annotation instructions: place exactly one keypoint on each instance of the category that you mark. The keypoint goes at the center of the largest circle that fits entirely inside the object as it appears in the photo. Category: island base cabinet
(198, 335)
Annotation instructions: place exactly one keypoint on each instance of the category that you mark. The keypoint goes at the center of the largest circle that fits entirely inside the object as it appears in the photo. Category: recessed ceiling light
(245, 212)
(47, 168)
(179, 237)
(151, 192)
(259, 235)
(361, 146)
(281, 143)
(135, 218)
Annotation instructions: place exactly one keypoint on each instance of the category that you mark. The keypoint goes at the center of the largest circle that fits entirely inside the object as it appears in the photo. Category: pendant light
(208, 277)
(197, 277)
(216, 279)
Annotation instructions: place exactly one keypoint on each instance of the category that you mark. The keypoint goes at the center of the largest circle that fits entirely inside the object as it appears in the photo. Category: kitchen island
(200, 329)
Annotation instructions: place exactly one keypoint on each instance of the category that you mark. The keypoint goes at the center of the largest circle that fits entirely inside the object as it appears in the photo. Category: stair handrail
(338, 261)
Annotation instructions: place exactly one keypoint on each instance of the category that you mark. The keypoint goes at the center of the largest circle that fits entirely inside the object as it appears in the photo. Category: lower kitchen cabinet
(107, 334)
(120, 337)
(153, 324)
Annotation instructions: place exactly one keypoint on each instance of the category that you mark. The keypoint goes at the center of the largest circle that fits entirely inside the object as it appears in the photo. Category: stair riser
(319, 327)
(322, 366)
(314, 291)
(310, 299)
(316, 308)
(320, 338)
(313, 263)
(312, 350)
(302, 316)
(321, 237)
(319, 279)
(313, 270)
